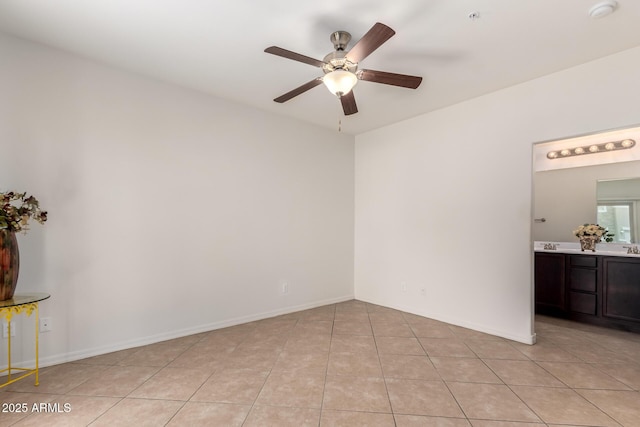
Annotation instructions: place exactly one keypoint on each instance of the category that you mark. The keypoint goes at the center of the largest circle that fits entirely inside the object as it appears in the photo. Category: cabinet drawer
(583, 279)
(583, 261)
(582, 303)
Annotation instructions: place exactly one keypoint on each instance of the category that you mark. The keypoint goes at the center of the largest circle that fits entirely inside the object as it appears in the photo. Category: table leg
(9, 347)
(37, 333)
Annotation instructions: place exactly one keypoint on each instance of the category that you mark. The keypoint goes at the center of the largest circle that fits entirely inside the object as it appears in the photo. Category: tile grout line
(326, 369)
(384, 378)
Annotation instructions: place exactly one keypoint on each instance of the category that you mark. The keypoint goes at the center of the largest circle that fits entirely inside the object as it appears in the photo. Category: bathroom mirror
(568, 198)
(618, 208)
(591, 188)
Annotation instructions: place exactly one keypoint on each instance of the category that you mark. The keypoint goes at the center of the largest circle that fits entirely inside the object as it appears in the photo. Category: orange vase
(9, 264)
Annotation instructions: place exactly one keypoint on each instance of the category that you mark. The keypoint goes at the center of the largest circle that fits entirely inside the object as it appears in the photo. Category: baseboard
(525, 339)
(97, 351)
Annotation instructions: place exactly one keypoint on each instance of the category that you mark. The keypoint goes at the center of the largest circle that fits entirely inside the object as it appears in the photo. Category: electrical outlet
(403, 286)
(423, 291)
(285, 288)
(45, 324)
(5, 330)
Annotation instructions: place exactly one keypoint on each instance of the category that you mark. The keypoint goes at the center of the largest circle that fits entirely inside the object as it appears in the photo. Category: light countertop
(604, 249)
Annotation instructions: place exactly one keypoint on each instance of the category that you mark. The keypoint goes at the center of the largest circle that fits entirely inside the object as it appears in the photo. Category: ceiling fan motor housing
(338, 61)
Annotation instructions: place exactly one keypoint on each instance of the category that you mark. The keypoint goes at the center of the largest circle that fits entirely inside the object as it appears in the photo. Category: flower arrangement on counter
(593, 230)
(16, 209)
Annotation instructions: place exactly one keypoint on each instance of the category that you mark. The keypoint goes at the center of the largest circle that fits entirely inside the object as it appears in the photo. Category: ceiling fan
(341, 68)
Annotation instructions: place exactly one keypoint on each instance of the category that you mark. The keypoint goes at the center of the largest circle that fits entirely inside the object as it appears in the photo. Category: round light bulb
(610, 146)
(552, 154)
(579, 150)
(593, 149)
(565, 152)
(627, 143)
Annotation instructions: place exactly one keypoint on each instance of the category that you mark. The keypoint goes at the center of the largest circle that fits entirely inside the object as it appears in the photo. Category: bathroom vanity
(601, 287)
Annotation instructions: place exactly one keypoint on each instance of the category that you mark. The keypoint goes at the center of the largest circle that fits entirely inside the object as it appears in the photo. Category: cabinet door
(549, 283)
(621, 286)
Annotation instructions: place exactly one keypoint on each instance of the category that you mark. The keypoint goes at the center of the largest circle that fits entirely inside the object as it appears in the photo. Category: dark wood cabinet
(621, 288)
(603, 290)
(583, 284)
(549, 283)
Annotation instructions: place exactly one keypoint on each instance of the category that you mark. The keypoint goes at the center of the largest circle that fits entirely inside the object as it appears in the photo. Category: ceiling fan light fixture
(340, 82)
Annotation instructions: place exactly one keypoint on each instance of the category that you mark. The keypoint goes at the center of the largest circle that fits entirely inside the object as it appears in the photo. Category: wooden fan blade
(402, 80)
(301, 89)
(349, 104)
(375, 37)
(274, 50)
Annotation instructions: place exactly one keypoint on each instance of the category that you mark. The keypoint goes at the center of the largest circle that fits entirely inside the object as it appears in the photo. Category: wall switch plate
(5, 330)
(403, 286)
(285, 288)
(45, 324)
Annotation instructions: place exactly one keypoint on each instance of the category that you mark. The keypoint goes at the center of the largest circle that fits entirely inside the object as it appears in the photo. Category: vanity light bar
(591, 149)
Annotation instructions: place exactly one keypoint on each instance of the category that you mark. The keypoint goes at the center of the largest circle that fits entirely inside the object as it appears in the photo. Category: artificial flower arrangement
(593, 230)
(16, 209)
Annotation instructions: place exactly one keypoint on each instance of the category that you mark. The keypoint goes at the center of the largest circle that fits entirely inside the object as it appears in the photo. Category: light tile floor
(348, 364)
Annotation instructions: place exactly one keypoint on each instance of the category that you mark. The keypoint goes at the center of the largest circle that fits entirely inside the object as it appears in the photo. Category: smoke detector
(602, 9)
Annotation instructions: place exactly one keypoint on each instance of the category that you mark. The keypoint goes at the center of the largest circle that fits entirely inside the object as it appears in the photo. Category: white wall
(171, 212)
(444, 201)
(566, 198)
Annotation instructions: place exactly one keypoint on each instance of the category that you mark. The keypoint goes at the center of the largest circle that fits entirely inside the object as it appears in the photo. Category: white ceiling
(216, 46)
